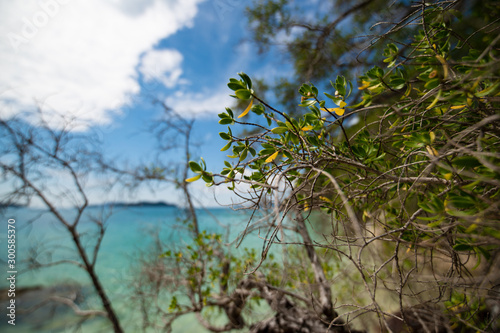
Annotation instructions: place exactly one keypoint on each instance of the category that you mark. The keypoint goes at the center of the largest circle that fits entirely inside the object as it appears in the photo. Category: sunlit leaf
(432, 151)
(227, 146)
(246, 110)
(471, 228)
(432, 135)
(235, 85)
(487, 91)
(365, 85)
(193, 179)
(243, 94)
(243, 155)
(325, 199)
(445, 66)
(279, 130)
(247, 79)
(272, 157)
(337, 111)
(434, 102)
(341, 103)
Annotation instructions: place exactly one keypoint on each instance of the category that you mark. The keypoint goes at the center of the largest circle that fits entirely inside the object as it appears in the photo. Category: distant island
(106, 204)
(137, 204)
(11, 205)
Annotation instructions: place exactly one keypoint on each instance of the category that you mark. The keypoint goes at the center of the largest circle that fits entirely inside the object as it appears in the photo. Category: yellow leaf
(471, 228)
(339, 111)
(445, 66)
(433, 136)
(325, 199)
(434, 102)
(307, 128)
(432, 151)
(193, 179)
(407, 92)
(246, 110)
(455, 107)
(365, 85)
(342, 104)
(448, 176)
(272, 157)
(395, 123)
(375, 86)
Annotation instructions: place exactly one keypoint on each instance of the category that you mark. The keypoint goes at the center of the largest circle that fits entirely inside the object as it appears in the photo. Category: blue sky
(104, 61)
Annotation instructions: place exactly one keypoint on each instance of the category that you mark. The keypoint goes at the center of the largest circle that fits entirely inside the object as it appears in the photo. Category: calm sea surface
(129, 233)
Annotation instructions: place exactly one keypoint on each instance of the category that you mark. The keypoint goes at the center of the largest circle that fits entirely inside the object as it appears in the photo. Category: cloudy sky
(103, 62)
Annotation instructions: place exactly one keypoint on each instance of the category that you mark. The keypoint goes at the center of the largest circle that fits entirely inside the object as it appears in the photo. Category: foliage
(346, 36)
(409, 193)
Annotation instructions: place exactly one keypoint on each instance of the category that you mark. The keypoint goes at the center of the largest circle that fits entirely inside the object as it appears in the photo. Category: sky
(104, 62)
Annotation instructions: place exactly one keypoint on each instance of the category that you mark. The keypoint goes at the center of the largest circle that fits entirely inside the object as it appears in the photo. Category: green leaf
(308, 102)
(227, 146)
(462, 247)
(243, 94)
(247, 79)
(397, 83)
(431, 84)
(258, 109)
(335, 99)
(313, 140)
(466, 162)
(230, 112)
(487, 91)
(314, 90)
(267, 151)
(195, 167)
(224, 136)
(375, 73)
(252, 151)
(462, 201)
(340, 85)
(226, 121)
(208, 178)
(235, 85)
(279, 130)
(243, 154)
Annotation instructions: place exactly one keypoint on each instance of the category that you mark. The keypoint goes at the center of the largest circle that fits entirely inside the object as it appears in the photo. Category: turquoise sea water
(129, 232)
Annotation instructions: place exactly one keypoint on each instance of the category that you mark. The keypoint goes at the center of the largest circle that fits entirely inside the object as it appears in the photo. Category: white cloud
(202, 103)
(163, 66)
(79, 57)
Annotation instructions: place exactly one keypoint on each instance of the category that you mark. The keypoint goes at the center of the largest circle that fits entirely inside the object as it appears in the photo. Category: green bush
(404, 163)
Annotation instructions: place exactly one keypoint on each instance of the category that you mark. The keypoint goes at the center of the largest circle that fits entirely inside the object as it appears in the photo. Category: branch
(76, 308)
